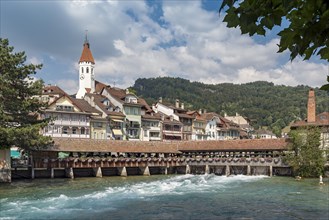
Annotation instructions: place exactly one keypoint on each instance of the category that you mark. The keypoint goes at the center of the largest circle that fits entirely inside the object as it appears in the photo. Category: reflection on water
(166, 197)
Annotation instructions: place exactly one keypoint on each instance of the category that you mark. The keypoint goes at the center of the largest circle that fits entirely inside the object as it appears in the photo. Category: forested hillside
(264, 103)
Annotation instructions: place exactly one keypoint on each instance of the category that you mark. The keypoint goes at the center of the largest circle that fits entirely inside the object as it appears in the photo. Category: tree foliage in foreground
(19, 122)
(306, 156)
(308, 30)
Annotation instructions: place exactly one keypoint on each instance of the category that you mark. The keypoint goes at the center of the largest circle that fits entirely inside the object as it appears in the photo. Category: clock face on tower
(82, 76)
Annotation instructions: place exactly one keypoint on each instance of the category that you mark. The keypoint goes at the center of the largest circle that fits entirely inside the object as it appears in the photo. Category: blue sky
(133, 39)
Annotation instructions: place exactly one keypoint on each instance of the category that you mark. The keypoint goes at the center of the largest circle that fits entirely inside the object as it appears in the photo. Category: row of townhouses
(99, 111)
(116, 114)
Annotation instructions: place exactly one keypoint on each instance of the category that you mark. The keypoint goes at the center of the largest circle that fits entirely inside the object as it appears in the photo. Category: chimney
(311, 106)
(160, 99)
(177, 103)
(182, 105)
(204, 110)
(200, 111)
(127, 91)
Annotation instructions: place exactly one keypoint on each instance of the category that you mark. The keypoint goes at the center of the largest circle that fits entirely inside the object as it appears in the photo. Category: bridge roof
(91, 145)
(235, 145)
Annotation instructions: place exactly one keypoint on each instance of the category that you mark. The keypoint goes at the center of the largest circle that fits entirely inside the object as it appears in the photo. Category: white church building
(86, 71)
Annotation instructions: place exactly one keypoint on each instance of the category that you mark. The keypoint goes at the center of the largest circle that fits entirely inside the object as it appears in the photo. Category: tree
(305, 156)
(20, 124)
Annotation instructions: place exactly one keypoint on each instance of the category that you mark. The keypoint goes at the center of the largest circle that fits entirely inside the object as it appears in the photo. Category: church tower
(86, 71)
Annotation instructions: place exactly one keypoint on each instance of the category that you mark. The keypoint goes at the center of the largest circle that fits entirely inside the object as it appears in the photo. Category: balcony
(155, 138)
(67, 135)
(187, 129)
(72, 123)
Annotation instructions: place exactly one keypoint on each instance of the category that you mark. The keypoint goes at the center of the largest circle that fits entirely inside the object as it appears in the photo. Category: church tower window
(87, 70)
(81, 69)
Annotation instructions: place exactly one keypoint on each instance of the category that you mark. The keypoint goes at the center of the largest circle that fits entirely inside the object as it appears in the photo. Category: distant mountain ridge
(266, 104)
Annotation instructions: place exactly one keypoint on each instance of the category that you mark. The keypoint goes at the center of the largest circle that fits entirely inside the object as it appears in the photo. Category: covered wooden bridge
(87, 157)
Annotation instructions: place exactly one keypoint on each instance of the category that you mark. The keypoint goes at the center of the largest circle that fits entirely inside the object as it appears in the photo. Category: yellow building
(98, 127)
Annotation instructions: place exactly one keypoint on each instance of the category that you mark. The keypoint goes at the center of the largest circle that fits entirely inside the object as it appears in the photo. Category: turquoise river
(166, 197)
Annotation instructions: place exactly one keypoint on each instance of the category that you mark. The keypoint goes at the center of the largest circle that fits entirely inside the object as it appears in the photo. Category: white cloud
(35, 60)
(303, 72)
(292, 73)
(69, 86)
(121, 46)
(211, 53)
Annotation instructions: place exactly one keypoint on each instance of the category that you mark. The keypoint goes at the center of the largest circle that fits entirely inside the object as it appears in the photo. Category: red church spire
(86, 55)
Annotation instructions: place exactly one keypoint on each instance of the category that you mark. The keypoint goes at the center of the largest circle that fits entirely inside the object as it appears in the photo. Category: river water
(166, 197)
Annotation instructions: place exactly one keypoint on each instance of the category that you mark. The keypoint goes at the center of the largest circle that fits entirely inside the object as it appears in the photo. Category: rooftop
(92, 145)
(321, 119)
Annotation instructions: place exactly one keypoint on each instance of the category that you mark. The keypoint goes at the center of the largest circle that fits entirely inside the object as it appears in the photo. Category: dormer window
(131, 99)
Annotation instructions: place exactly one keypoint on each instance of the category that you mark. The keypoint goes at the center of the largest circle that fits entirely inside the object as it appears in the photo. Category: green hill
(266, 104)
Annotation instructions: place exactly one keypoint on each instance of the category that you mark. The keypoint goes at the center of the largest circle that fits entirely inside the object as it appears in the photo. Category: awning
(117, 132)
(14, 152)
(116, 120)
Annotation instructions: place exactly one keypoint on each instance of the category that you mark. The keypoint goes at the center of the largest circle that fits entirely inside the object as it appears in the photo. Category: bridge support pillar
(227, 170)
(145, 171)
(52, 173)
(188, 169)
(207, 171)
(271, 171)
(69, 173)
(166, 171)
(32, 173)
(248, 170)
(98, 172)
(122, 171)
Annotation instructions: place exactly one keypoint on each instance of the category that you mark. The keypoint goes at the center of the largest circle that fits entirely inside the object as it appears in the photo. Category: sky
(142, 39)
